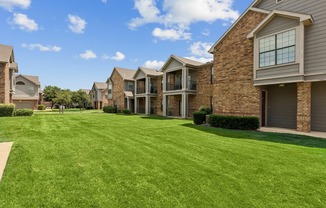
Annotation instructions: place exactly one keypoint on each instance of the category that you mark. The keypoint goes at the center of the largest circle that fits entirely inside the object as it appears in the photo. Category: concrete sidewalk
(4, 154)
(292, 131)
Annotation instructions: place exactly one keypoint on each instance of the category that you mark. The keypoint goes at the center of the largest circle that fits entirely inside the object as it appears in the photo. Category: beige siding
(278, 24)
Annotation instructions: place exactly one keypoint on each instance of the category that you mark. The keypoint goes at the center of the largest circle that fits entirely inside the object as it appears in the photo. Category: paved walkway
(4, 154)
(291, 131)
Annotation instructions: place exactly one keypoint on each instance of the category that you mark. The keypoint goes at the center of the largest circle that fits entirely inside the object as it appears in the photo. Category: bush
(23, 112)
(234, 122)
(41, 107)
(6, 110)
(108, 109)
(199, 117)
(207, 110)
(126, 111)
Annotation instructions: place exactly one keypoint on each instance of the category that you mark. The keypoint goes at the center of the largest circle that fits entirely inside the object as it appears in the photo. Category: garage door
(318, 106)
(24, 104)
(282, 106)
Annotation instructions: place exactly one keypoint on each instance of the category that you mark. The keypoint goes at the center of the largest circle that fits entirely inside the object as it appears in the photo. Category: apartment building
(98, 95)
(8, 68)
(272, 64)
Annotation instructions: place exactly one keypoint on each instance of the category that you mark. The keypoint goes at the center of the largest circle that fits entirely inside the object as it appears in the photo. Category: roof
(5, 53)
(184, 61)
(33, 79)
(250, 8)
(126, 74)
(128, 94)
(148, 72)
(100, 85)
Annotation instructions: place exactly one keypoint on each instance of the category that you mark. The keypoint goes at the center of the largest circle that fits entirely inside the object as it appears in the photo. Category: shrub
(126, 111)
(207, 110)
(108, 109)
(41, 107)
(234, 122)
(23, 112)
(6, 110)
(199, 117)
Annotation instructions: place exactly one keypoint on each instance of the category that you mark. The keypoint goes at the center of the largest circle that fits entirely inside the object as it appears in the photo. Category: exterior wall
(158, 99)
(315, 39)
(173, 105)
(278, 24)
(30, 104)
(118, 88)
(204, 88)
(304, 106)
(318, 103)
(28, 91)
(5, 96)
(104, 100)
(234, 93)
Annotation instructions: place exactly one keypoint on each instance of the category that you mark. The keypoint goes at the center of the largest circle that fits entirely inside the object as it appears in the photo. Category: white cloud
(88, 55)
(41, 47)
(179, 15)
(153, 64)
(104, 1)
(10, 4)
(206, 32)
(199, 52)
(23, 22)
(171, 34)
(118, 56)
(77, 24)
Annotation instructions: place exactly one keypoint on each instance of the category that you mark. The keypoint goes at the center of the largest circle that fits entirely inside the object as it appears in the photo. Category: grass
(102, 160)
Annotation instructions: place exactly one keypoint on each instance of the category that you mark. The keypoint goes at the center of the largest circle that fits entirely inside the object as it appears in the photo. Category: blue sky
(72, 43)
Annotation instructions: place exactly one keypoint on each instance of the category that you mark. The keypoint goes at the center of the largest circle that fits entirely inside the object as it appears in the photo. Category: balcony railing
(153, 89)
(140, 90)
(174, 86)
(141, 110)
(193, 85)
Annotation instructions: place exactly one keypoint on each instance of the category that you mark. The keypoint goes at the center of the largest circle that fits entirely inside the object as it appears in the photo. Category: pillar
(304, 106)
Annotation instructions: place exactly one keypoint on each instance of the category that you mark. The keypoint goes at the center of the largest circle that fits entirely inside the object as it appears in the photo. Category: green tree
(63, 97)
(50, 93)
(81, 98)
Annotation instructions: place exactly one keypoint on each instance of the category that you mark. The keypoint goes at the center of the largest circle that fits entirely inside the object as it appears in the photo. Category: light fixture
(281, 85)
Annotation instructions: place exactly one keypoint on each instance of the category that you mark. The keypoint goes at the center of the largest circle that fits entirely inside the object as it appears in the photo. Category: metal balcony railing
(193, 85)
(153, 89)
(174, 86)
(140, 90)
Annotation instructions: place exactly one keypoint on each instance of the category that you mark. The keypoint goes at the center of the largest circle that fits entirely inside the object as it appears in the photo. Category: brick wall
(158, 101)
(304, 106)
(118, 88)
(5, 96)
(204, 88)
(173, 105)
(234, 93)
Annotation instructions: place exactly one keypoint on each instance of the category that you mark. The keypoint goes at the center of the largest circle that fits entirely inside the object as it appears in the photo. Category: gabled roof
(126, 74)
(250, 8)
(100, 85)
(148, 72)
(5, 53)
(183, 61)
(306, 19)
(33, 79)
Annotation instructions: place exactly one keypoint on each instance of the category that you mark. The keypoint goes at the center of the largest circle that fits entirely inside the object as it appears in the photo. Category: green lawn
(91, 159)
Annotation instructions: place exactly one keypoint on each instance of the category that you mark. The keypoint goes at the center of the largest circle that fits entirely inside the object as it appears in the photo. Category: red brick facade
(5, 95)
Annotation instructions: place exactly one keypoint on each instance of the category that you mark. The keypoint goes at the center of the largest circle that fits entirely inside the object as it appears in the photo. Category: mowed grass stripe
(101, 160)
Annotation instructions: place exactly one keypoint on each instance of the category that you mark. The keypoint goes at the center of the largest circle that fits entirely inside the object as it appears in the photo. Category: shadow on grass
(155, 117)
(282, 138)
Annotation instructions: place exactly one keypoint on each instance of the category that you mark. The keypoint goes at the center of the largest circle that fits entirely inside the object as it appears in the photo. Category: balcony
(140, 90)
(171, 87)
(192, 85)
(153, 89)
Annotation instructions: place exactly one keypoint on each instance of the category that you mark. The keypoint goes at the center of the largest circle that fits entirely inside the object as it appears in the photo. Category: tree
(81, 98)
(50, 93)
(63, 97)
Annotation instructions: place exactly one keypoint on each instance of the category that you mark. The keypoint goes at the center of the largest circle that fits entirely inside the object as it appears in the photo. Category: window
(277, 49)
(20, 83)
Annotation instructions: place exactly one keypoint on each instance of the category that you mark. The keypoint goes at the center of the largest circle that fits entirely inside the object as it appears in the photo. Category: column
(184, 105)
(164, 81)
(184, 78)
(128, 103)
(164, 104)
(147, 83)
(147, 105)
(304, 106)
(136, 105)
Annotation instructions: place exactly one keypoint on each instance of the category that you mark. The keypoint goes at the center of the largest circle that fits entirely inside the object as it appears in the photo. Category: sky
(74, 43)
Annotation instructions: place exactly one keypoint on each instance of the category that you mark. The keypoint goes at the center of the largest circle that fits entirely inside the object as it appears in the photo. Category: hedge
(109, 109)
(126, 111)
(207, 110)
(6, 110)
(199, 117)
(234, 122)
(23, 112)
(41, 107)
